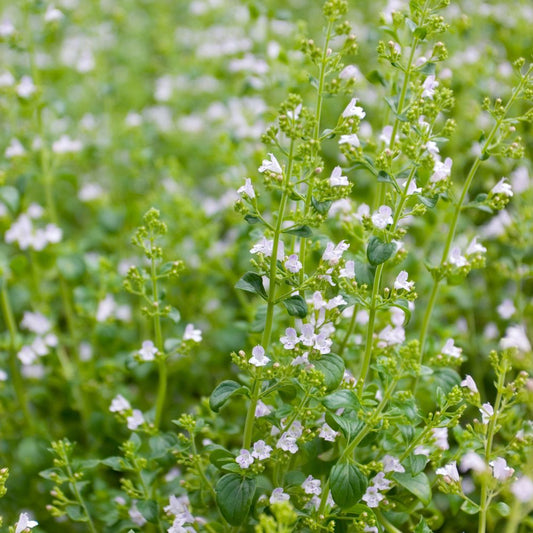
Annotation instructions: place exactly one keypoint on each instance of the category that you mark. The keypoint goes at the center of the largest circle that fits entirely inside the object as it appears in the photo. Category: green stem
(385, 523)
(271, 302)
(18, 384)
(80, 499)
(316, 136)
(349, 332)
(459, 206)
(161, 360)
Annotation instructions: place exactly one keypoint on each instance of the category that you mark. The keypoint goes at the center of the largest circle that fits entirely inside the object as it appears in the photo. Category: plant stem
(79, 497)
(459, 205)
(271, 301)
(349, 332)
(161, 360)
(18, 384)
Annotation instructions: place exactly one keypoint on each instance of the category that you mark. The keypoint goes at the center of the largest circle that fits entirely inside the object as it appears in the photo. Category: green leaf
(384, 177)
(428, 68)
(416, 463)
(220, 457)
(469, 507)
(349, 424)
(420, 33)
(223, 392)
(234, 495)
(364, 273)
(502, 509)
(422, 527)
(321, 207)
(348, 484)
(75, 513)
(427, 201)
(174, 315)
(417, 485)
(296, 306)
(378, 251)
(252, 282)
(10, 197)
(341, 399)
(117, 463)
(252, 219)
(332, 366)
(300, 231)
(375, 77)
(148, 508)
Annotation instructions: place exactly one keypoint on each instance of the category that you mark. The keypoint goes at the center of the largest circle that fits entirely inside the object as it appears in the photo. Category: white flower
(348, 271)
(327, 433)
(272, 165)
(66, 145)
(312, 486)
(135, 420)
(383, 217)
(429, 86)
(293, 115)
(265, 247)
(472, 461)
(261, 450)
(349, 72)
(90, 192)
(53, 14)
(392, 464)
(35, 322)
(337, 179)
(502, 187)
(26, 87)
(148, 351)
(522, 489)
(372, 496)
(262, 409)
(323, 343)
(455, 257)
(332, 254)
(449, 472)
(192, 334)
(287, 443)
(515, 337)
(441, 170)
(506, 309)
(106, 308)
(293, 264)
(487, 411)
(247, 188)
(391, 336)
(450, 349)
(244, 459)
(520, 178)
(278, 496)
(7, 79)
(350, 139)
(136, 516)
(469, 383)
(381, 482)
(258, 356)
(386, 134)
(15, 149)
(25, 523)
(6, 28)
(290, 339)
(475, 248)
(178, 506)
(402, 282)
(500, 470)
(119, 404)
(441, 438)
(353, 110)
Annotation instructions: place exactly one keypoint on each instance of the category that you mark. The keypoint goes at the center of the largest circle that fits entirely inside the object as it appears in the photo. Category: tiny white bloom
(441, 438)
(455, 257)
(15, 149)
(272, 165)
(522, 489)
(261, 450)
(450, 349)
(278, 496)
(441, 170)
(449, 472)
(247, 188)
(192, 334)
(381, 482)
(392, 464)
(287, 443)
(26, 87)
(312, 486)
(348, 271)
(349, 72)
(66, 145)
(25, 523)
(503, 187)
(148, 351)
(487, 412)
(53, 14)
(332, 254)
(469, 383)
(290, 339)
(402, 282)
(135, 420)
(262, 409)
(328, 433)
(429, 86)
(472, 461)
(337, 179)
(353, 110)
(293, 264)
(386, 134)
(475, 248)
(136, 516)
(244, 459)
(515, 337)
(35, 322)
(258, 356)
(383, 217)
(350, 139)
(506, 309)
(500, 470)
(119, 404)
(372, 496)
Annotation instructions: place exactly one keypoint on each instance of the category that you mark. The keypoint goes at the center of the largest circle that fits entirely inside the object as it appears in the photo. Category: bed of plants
(266, 266)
